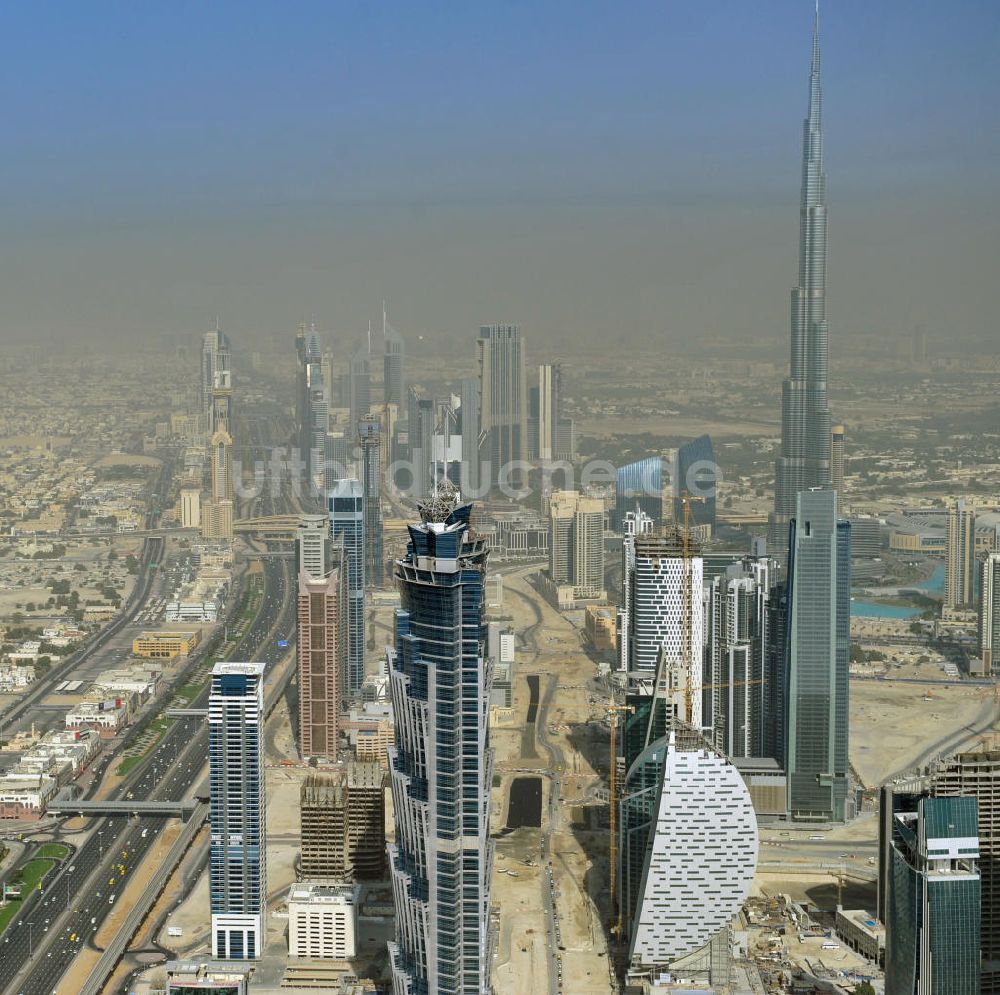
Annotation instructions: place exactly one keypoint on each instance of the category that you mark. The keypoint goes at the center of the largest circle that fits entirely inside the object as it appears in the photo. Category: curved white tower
(702, 859)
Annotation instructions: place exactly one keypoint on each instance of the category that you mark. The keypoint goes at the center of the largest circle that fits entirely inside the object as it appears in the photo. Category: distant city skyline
(644, 183)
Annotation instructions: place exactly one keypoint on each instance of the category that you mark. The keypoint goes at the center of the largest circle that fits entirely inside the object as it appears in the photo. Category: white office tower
(314, 545)
(237, 811)
(665, 611)
(699, 864)
(634, 524)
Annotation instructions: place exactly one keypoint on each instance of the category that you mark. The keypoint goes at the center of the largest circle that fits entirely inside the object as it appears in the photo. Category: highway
(41, 942)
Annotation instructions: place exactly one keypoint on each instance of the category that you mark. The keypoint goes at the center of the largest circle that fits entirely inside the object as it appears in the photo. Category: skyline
(588, 173)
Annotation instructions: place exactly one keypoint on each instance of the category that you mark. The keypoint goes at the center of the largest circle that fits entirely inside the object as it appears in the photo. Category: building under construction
(343, 825)
(974, 774)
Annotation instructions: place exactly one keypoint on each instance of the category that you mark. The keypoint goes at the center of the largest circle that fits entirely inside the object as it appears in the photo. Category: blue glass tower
(696, 476)
(817, 647)
(441, 766)
(237, 810)
(640, 484)
(346, 504)
(932, 914)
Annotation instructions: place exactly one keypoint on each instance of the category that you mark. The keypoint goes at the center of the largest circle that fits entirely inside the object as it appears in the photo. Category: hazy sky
(591, 170)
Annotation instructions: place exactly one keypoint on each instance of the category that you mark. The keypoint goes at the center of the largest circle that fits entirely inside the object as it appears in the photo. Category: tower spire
(804, 462)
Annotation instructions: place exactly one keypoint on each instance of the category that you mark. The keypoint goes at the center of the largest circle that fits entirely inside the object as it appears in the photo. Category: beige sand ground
(894, 724)
(522, 958)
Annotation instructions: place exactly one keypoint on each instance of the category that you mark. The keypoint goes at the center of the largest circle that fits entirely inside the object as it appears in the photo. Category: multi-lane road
(170, 773)
(53, 925)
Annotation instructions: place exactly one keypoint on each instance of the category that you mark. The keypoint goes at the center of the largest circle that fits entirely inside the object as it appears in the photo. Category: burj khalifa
(805, 413)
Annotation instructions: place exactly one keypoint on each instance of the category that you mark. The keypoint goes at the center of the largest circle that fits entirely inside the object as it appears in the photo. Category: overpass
(272, 526)
(123, 806)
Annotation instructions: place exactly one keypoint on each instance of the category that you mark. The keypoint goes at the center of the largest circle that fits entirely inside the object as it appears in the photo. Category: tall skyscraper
(321, 635)
(837, 460)
(217, 513)
(503, 397)
(960, 549)
(640, 485)
(989, 617)
(932, 909)
(469, 413)
(636, 523)
(818, 643)
(346, 505)
(237, 811)
(359, 387)
(696, 473)
(215, 356)
(393, 369)
(369, 438)
(665, 613)
(312, 402)
(576, 544)
(441, 766)
(543, 413)
(737, 646)
(805, 412)
(222, 401)
(977, 775)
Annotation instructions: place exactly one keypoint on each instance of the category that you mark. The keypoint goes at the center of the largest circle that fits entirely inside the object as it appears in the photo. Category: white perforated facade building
(702, 861)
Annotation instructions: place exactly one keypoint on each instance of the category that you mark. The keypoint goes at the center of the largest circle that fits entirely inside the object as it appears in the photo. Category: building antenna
(369, 336)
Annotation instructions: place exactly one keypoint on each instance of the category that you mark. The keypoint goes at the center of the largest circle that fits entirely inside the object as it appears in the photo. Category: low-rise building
(322, 921)
(862, 932)
(600, 625)
(185, 976)
(107, 717)
(165, 645)
(24, 795)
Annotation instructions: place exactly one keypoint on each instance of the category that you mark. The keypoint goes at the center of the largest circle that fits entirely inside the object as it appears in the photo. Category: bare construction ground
(897, 725)
(564, 745)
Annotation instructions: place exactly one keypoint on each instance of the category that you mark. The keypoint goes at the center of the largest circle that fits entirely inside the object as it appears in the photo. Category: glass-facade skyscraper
(312, 402)
(817, 646)
(641, 484)
(932, 906)
(441, 765)
(695, 475)
(237, 869)
(804, 461)
(503, 397)
(370, 440)
(346, 505)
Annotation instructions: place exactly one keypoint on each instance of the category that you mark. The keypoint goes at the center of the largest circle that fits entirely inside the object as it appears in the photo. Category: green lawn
(127, 764)
(29, 875)
(53, 851)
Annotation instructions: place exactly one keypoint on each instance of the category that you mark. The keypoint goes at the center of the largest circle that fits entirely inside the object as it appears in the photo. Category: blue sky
(571, 166)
